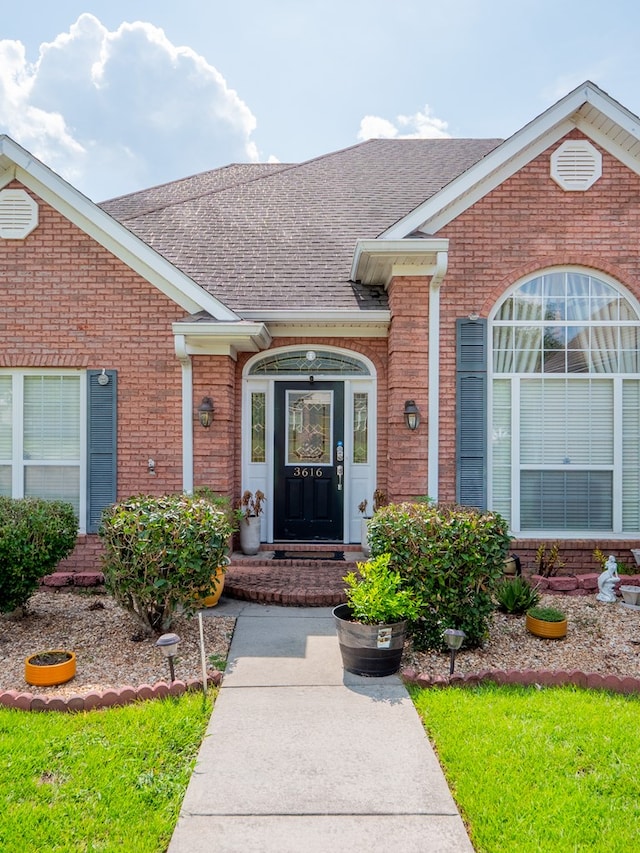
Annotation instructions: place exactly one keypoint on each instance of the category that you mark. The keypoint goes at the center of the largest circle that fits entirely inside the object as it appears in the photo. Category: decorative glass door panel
(309, 468)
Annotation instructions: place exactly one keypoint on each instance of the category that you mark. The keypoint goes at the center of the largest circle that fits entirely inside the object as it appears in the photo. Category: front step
(304, 581)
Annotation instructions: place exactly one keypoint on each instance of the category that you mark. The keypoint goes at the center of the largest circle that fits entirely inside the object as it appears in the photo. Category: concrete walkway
(300, 756)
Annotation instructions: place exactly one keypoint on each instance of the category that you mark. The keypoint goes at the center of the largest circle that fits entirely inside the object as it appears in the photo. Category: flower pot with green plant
(372, 624)
(546, 622)
(248, 517)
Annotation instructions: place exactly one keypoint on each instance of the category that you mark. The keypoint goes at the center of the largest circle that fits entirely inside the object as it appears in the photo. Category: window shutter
(101, 444)
(471, 416)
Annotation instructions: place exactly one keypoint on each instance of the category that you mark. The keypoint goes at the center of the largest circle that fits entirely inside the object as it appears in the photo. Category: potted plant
(379, 499)
(372, 624)
(248, 515)
(546, 622)
(53, 666)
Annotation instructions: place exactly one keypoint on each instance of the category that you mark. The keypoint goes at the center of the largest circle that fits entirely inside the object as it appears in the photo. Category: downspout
(184, 358)
(433, 440)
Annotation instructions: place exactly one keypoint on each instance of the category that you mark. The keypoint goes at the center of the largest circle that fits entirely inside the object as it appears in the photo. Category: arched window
(565, 432)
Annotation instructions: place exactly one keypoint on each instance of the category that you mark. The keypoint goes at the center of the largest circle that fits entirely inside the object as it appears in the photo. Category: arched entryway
(309, 441)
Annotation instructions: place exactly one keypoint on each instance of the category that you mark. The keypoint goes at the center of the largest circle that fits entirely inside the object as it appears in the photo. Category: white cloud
(116, 111)
(420, 125)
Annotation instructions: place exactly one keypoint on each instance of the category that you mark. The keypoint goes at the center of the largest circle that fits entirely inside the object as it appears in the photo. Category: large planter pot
(211, 596)
(372, 650)
(546, 630)
(250, 535)
(54, 666)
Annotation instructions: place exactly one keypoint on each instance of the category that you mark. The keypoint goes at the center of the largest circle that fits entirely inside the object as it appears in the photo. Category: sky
(117, 96)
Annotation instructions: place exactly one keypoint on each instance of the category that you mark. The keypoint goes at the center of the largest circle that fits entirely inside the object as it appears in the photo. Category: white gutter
(187, 410)
(433, 437)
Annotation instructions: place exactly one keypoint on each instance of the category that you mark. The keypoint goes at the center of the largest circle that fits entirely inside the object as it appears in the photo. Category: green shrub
(374, 594)
(516, 595)
(451, 557)
(160, 552)
(34, 536)
(547, 614)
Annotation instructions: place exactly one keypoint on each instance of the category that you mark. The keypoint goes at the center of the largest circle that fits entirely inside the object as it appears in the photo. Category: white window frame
(17, 461)
(517, 466)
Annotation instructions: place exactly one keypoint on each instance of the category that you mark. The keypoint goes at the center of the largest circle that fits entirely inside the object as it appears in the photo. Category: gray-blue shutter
(471, 413)
(101, 445)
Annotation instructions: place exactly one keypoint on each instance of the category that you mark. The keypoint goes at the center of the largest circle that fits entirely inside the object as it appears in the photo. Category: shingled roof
(278, 237)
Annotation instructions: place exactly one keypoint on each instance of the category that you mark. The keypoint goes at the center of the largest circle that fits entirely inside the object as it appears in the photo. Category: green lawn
(104, 780)
(540, 770)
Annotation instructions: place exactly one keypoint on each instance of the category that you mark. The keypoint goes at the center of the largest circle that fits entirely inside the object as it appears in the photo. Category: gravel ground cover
(110, 648)
(602, 638)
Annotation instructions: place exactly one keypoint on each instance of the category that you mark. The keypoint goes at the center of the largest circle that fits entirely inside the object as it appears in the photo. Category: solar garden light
(453, 639)
(168, 645)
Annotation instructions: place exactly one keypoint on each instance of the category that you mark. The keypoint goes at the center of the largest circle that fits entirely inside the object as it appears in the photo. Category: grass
(100, 781)
(539, 770)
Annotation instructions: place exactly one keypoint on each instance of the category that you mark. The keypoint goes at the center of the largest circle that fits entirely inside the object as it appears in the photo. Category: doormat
(308, 555)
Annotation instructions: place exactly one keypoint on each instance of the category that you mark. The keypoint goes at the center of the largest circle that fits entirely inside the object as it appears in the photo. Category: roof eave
(376, 262)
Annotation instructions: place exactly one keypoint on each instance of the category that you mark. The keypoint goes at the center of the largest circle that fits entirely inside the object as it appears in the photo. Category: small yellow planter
(54, 666)
(217, 585)
(546, 630)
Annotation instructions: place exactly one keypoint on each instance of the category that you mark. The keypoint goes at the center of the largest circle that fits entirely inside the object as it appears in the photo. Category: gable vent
(18, 214)
(576, 165)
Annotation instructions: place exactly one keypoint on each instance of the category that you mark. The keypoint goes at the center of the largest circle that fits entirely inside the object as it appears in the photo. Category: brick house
(484, 292)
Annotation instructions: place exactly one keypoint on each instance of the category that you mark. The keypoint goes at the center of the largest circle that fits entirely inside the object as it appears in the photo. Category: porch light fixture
(411, 415)
(168, 645)
(205, 412)
(453, 639)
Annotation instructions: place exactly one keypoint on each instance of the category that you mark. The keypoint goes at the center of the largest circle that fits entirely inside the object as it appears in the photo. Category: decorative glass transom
(566, 322)
(308, 363)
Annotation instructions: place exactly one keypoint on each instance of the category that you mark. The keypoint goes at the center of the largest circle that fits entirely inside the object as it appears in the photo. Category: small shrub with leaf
(35, 534)
(160, 552)
(548, 563)
(516, 595)
(451, 557)
(375, 595)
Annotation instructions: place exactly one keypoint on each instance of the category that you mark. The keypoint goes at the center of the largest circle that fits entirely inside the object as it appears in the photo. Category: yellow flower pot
(546, 630)
(54, 666)
(212, 597)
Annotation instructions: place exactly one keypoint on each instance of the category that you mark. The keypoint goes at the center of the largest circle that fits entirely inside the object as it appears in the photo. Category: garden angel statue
(607, 581)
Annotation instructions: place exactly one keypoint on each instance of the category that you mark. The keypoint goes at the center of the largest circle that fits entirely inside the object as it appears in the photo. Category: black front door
(309, 464)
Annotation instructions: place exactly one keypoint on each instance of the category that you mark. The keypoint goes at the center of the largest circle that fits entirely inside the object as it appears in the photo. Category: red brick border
(110, 698)
(527, 677)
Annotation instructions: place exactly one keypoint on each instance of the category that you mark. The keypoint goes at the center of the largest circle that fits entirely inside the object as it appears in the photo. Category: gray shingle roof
(274, 236)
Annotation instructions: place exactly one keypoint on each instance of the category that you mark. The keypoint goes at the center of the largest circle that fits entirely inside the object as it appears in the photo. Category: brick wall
(67, 302)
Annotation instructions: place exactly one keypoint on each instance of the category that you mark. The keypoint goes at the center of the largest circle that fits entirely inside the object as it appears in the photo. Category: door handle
(340, 467)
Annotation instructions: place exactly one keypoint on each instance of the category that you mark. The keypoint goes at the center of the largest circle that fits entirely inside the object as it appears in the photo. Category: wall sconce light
(411, 415)
(205, 412)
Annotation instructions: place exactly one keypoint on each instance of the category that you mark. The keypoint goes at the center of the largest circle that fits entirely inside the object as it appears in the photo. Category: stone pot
(250, 535)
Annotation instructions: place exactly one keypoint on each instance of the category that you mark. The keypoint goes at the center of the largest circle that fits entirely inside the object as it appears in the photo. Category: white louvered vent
(576, 165)
(18, 214)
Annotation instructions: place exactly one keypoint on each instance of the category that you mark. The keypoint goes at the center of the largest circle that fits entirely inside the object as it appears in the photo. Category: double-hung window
(565, 434)
(57, 438)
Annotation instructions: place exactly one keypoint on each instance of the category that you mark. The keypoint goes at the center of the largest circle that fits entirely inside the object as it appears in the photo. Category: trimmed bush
(35, 535)
(452, 557)
(160, 552)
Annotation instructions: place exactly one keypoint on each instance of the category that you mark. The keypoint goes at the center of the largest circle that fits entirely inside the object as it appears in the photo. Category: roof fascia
(345, 323)
(511, 155)
(378, 261)
(216, 338)
(18, 164)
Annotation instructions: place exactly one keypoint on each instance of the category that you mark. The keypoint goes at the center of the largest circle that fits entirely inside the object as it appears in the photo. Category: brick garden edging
(576, 584)
(528, 678)
(109, 698)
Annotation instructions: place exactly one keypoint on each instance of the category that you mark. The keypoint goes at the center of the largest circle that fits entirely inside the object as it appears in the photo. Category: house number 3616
(307, 472)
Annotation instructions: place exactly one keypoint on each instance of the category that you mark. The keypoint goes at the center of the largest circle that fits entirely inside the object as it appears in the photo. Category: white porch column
(187, 413)
(433, 441)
